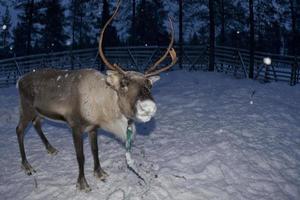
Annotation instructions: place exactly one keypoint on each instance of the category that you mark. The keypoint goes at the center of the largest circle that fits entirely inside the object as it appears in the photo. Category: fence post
(132, 58)
(72, 58)
(294, 69)
(274, 72)
(17, 65)
(95, 64)
(266, 77)
(243, 64)
(298, 71)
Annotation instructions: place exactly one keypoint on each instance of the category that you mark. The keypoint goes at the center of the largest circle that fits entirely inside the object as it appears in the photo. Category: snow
(207, 141)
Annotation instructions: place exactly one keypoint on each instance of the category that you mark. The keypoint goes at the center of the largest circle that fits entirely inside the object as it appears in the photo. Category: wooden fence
(236, 61)
(228, 60)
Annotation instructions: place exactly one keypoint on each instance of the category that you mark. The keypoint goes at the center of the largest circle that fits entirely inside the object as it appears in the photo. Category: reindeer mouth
(145, 110)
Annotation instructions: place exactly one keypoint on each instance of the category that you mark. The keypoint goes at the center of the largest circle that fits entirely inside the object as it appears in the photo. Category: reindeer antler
(106, 62)
(170, 50)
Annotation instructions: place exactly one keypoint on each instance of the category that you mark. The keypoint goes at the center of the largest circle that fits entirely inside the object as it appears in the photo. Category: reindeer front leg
(98, 171)
(78, 143)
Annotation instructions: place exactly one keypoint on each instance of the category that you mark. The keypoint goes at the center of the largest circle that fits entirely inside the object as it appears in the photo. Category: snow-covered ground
(211, 139)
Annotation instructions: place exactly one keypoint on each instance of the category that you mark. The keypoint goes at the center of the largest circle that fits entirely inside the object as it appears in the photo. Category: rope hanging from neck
(129, 134)
(130, 162)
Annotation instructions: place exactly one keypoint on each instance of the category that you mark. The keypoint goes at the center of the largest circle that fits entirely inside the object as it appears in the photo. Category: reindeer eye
(148, 84)
(124, 83)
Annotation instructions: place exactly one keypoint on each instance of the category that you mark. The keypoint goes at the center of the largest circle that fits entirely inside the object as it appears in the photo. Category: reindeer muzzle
(145, 110)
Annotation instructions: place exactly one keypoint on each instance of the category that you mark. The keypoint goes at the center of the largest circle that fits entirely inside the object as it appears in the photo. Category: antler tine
(166, 53)
(174, 60)
(106, 62)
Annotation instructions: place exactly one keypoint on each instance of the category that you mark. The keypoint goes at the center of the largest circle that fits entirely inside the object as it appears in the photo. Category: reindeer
(87, 100)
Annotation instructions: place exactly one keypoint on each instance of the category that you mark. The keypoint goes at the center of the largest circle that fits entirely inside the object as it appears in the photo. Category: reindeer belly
(50, 114)
(52, 109)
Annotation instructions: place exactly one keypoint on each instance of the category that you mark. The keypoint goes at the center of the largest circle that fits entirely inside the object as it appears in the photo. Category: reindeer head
(134, 88)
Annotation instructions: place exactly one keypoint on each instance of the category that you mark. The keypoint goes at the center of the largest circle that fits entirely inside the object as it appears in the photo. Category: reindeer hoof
(100, 174)
(27, 168)
(82, 185)
(51, 150)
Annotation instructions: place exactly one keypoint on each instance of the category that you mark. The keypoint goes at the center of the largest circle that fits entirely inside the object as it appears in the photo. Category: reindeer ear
(113, 79)
(153, 79)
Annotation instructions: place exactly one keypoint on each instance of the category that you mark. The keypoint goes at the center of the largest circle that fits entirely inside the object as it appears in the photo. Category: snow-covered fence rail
(228, 60)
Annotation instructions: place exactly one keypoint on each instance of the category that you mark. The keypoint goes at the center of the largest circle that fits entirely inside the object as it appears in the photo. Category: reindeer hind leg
(23, 123)
(38, 127)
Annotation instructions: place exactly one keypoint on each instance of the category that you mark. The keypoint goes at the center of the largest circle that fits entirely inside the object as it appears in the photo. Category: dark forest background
(56, 25)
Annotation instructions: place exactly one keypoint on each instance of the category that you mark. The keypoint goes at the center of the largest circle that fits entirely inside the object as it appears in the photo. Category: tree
(222, 11)
(211, 66)
(6, 26)
(81, 22)
(230, 19)
(180, 2)
(153, 13)
(85, 36)
(110, 35)
(252, 41)
(53, 20)
(28, 17)
(294, 28)
(133, 24)
(195, 19)
(19, 39)
(73, 12)
(271, 25)
(295, 40)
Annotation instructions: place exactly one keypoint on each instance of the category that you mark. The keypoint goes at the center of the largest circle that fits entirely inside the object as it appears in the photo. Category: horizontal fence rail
(227, 59)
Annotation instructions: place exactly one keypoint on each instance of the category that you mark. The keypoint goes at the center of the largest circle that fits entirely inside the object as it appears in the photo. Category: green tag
(128, 138)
